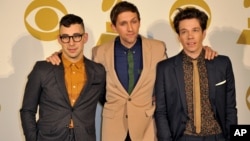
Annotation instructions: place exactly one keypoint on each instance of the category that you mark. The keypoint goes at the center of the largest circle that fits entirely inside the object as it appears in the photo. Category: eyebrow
(72, 35)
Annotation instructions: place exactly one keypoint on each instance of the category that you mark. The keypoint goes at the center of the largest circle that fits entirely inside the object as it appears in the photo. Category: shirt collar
(67, 63)
(133, 48)
(199, 58)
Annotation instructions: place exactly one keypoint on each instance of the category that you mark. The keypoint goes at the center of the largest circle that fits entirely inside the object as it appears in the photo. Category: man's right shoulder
(102, 48)
(44, 65)
(105, 45)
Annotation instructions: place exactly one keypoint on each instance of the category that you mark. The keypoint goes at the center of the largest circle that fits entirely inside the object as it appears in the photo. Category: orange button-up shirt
(75, 79)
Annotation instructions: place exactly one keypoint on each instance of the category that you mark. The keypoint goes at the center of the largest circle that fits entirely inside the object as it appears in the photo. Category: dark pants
(218, 137)
(71, 134)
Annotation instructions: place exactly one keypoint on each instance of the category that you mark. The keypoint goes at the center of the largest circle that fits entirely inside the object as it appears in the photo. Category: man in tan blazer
(129, 116)
(125, 113)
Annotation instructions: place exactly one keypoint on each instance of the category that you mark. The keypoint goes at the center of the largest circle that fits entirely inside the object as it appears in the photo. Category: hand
(54, 59)
(209, 53)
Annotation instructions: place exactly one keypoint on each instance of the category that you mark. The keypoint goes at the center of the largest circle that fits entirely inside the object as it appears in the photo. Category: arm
(30, 103)
(102, 98)
(161, 117)
(231, 111)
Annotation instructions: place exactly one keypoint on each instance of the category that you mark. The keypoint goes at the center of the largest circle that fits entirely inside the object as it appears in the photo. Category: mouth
(72, 50)
(191, 43)
(131, 34)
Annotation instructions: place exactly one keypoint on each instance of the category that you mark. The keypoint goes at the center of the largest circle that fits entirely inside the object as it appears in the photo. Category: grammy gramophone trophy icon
(110, 33)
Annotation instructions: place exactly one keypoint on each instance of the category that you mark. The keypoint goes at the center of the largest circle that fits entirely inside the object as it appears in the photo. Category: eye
(77, 36)
(64, 37)
(41, 19)
(122, 23)
(182, 31)
(135, 21)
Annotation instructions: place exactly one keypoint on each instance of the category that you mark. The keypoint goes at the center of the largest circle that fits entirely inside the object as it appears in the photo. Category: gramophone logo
(109, 34)
(245, 40)
(245, 34)
(41, 18)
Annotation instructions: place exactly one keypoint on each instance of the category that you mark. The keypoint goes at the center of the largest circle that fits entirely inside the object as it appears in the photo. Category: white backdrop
(20, 49)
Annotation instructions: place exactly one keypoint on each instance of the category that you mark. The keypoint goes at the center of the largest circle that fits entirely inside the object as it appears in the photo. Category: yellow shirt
(75, 79)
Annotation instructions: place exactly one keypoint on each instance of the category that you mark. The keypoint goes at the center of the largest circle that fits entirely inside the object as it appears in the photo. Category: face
(191, 37)
(127, 26)
(73, 51)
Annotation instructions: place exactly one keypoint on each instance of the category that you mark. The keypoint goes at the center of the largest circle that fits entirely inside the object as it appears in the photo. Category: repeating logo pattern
(41, 20)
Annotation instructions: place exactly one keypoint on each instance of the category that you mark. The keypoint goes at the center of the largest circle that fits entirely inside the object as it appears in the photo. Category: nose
(130, 27)
(190, 35)
(71, 41)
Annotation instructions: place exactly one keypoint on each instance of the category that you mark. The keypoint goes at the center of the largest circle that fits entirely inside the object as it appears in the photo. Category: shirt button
(73, 72)
(129, 99)
(74, 86)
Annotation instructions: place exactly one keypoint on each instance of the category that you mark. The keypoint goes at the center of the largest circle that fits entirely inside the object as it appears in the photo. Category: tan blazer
(123, 112)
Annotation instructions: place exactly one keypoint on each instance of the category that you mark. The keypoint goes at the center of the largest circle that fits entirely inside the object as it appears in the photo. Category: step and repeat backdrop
(29, 30)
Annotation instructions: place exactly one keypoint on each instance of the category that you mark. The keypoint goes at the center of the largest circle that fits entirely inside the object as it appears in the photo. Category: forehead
(189, 23)
(126, 16)
(73, 28)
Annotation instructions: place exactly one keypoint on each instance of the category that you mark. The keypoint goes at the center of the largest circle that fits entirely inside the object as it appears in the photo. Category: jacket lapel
(59, 75)
(146, 49)
(180, 79)
(90, 79)
(211, 71)
(110, 67)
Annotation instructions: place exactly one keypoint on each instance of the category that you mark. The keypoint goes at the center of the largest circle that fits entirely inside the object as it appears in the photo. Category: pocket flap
(108, 113)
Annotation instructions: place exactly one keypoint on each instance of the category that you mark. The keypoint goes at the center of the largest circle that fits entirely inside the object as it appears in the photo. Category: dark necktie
(196, 98)
(130, 71)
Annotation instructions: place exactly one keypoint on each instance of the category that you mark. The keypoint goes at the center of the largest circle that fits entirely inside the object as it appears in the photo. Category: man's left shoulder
(221, 61)
(221, 58)
(151, 40)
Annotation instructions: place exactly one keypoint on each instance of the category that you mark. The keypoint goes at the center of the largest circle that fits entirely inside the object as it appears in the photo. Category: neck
(193, 54)
(73, 59)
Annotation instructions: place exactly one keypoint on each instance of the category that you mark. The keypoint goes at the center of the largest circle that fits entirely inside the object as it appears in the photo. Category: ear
(178, 37)
(113, 27)
(59, 39)
(204, 34)
(85, 37)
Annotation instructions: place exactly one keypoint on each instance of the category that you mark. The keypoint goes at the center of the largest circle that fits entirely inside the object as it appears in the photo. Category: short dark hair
(120, 7)
(70, 19)
(190, 13)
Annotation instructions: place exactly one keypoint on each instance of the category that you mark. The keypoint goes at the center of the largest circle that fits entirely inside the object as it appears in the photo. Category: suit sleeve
(95, 56)
(102, 98)
(231, 111)
(30, 103)
(161, 117)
